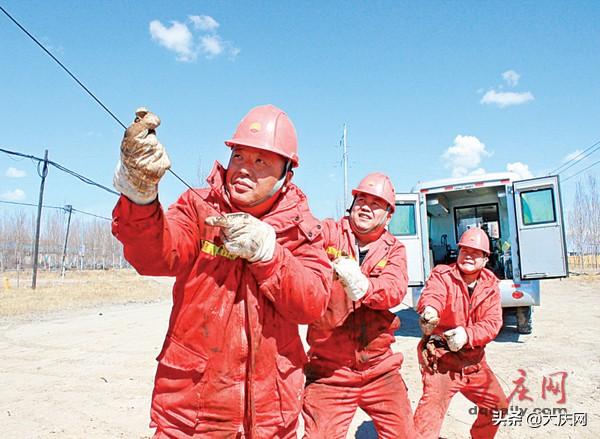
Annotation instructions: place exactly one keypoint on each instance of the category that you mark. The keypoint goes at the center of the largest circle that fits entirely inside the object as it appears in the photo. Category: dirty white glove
(428, 320)
(143, 159)
(456, 338)
(246, 236)
(354, 281)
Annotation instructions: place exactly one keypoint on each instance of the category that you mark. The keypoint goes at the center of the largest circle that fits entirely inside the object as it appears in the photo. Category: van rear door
(406, 227)
(540, 228)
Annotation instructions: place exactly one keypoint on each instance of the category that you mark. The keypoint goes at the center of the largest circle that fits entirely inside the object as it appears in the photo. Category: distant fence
(584, 262)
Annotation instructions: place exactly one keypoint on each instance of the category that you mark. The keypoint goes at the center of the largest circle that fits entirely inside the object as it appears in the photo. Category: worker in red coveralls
(249, 265)
(350, 361)
(460, 313)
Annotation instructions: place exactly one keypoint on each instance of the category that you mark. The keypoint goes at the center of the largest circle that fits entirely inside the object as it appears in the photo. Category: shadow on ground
(509, 333)
(366, 430)
(409, 323)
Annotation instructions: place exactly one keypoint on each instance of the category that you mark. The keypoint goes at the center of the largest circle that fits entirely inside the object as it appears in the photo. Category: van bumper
(524, 293)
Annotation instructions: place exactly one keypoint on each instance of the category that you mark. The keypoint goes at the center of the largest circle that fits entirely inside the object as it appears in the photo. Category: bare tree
(593, 210)
(90, 244)
(576, 230)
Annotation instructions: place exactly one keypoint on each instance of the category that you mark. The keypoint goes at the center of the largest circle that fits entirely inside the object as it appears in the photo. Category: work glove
(143, 159)
(354, 281)
(456, 338)
(245, 236)
(428, 320)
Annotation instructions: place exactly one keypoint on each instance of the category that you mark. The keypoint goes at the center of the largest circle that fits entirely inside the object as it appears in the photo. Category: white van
(523, 219)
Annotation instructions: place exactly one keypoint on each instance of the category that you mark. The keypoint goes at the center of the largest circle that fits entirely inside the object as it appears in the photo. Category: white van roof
(460, 182)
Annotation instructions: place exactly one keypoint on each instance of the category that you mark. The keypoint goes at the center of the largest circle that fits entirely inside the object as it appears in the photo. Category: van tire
(524, 324)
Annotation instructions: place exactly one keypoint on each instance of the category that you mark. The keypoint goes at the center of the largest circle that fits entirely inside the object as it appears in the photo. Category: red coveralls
(481, 316)
(350, 361)
(231, 364)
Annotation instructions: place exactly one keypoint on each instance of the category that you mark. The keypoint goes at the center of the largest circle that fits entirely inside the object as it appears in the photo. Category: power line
(91, 214)
(56, 207)
(579, 172)
(62, 65)
(61, 168)
(20, 154)
(30, 204)
(576, 159)
(82, 178)
(85, 88)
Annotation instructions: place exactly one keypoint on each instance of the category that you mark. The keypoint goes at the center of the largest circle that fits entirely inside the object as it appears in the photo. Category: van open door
(540, 228)
(406, 227)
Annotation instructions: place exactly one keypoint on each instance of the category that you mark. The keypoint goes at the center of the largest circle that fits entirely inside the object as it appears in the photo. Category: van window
(403, 220)
(537, 207)
(484, 216)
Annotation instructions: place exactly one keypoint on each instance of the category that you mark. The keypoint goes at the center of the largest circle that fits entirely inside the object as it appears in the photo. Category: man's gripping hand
(428, 320)
(143, 159)
(456, 338)
(355, 283)
(246, 236)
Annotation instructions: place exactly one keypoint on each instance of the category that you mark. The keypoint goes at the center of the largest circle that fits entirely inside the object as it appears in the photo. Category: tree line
(90, 243)
(584, 224)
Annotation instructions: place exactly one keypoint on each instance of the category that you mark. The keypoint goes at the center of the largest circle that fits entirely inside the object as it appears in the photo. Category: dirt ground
(87, 373)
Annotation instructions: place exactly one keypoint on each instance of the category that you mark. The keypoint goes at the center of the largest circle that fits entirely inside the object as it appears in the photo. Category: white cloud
(573, 156)
(15, 173)
(211, 45)
(511, 77)
(465, 155)
(505, 99)
(16, 195)
(187, 45)
(177, 38)
(204, 22)
(521, 169)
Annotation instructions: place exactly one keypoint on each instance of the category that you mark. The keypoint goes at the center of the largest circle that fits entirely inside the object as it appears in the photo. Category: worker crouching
(460, 313)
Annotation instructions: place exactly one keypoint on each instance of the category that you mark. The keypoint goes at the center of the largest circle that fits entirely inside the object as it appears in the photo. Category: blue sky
(428, 90)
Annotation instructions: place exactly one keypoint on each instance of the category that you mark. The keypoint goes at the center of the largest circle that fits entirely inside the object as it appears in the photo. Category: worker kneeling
(460, 313)
(350, 361)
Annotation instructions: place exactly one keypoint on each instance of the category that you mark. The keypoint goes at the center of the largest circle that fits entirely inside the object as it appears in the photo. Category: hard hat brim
(251, 143)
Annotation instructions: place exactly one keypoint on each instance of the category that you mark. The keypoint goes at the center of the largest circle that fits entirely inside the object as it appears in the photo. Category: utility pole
(345, 161)
(68, 208)
(36, 247)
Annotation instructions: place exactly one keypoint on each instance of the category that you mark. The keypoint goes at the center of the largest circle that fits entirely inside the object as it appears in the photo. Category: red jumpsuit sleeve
(297, 281)
(329, 228)
(488, 326)
(157, 243)
(389, 288)
(434, 293)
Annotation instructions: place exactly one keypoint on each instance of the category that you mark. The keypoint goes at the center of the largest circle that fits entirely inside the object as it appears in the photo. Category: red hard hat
(475, 238)
(379, 185)
(267, 127)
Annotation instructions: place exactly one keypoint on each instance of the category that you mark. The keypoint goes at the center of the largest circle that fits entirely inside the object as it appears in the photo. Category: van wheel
(524, 325)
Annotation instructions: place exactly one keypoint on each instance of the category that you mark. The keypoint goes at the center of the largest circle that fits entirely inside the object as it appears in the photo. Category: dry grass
(77, 290)
(80, 289)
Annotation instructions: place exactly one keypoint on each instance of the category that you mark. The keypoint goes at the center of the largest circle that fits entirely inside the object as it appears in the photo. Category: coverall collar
(486, 280)
(289, 210)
